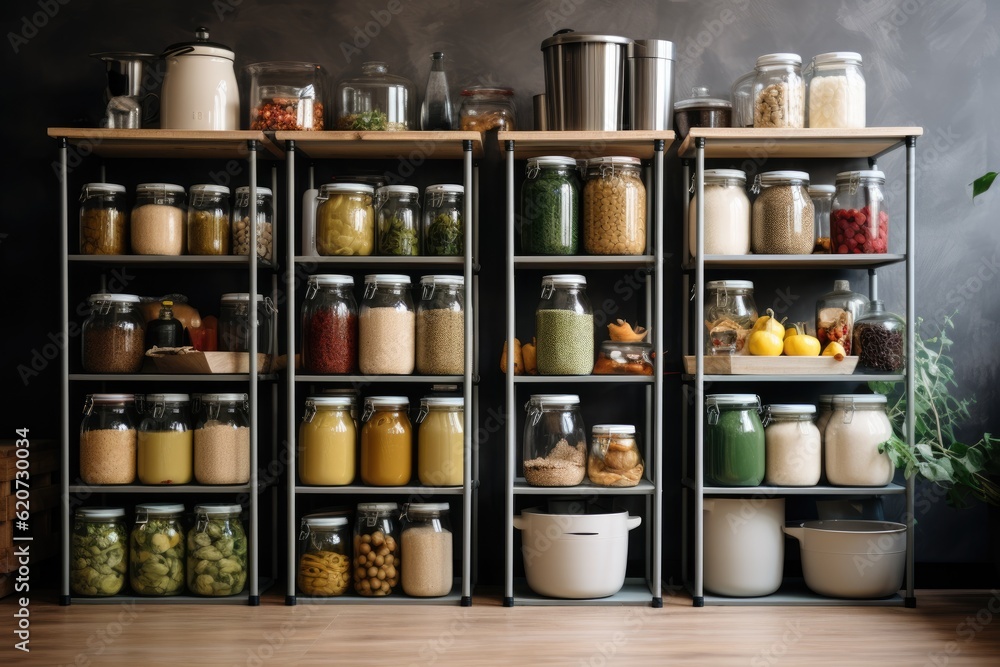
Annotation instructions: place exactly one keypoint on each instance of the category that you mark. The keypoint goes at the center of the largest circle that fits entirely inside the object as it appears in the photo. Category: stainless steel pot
(650, 84)
(584, 80)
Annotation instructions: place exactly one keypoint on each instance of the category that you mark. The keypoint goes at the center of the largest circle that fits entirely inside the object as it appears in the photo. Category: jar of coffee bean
(782, 222)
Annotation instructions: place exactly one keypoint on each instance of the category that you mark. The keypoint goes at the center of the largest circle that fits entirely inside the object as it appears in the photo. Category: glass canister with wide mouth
(794, 454)
(822, 199)
(265, 224)
(857, 427)
(103, 219)
(222, 440)
(377, 100)
(330, 325)
(377, 562)
(325, 555)
(726, 213)
(734, 440)
(730, 313)
(345, 219)
(783, 214)
(217, 551)
(165, 443)
(398, 220)
(113, 337)
(742, 98)
(486, 108)
(235, 326)
(859, 219)
(158, 221)
(327, 442)
(387, 326)
(555, 441)
(426, 550)
(614, 458)
(108, 439)
(441, 441)
(618, 357)
(208, 228)
(564, 327)
(98, 552)
(614, 207)
(444, 226)
(779, 91)
(879, 339)
(386, 441)
(440, 333)
(550, 206)
(836, 314)
(157, 550)
(835, 87)
(286, 95)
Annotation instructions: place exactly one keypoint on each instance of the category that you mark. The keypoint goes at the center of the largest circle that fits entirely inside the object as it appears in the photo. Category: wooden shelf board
(436, 145)
(737, 142)
(154, 143)
(631, 143)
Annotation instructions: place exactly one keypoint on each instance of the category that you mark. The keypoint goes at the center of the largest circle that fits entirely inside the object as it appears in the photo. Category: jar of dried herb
(550, 202)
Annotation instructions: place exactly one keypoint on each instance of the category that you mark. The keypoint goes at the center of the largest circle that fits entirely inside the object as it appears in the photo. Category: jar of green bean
(444, 228)
(564, 327)
(550, 207)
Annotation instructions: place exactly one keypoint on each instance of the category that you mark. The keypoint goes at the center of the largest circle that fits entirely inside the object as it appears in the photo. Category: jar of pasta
(327, 441)
(165, 443)
(156, 550)
(345, 219)
(103, 219)
(614, 207)
(441, 441)
(325, 556)
(386, 441)
(376, 549)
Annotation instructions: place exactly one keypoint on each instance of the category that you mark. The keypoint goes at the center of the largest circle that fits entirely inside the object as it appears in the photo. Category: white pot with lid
(199, 87)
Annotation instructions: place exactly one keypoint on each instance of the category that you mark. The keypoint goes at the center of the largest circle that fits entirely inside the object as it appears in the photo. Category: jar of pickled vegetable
(103, 219)
(441, 441)
(398, 220)
(98, 551)
(614, 207)
(156, 550)
(734, 440)
(426, 550)
(216, 551)
(108, 439)
(208, 226)
(486, 108)
(325, 555)
(113, 335)
(386, 441)
(440, 340)
(550, 207)
(564, 326)
(444, 227)
(345, 219)
(555, 441)
(614, 458)
(222, 439)
(376, 549)
(327, 441)
(330, 325)
(165, 442)
(386, 326)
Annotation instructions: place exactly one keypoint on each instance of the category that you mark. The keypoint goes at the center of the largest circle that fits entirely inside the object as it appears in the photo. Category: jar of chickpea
(376, 549)
(614, 207)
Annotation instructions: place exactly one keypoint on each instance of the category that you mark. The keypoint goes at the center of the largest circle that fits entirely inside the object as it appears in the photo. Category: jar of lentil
(103, 219)
(386, 326)
(426, 550)
(376, 536)
(730, 313)
(822, 199)
(859, 220)
(440, 341)
(158, 221)
(327, 442)
(208, 227)
(222, 440)
(345, 219)
(857, 427)
(564, 327)
(165, 442)
(444, 228)
(398, 220)
(550, 207)
(441, 441)
(614, 458)
(555, 441)
(614, 207)
(726, 213)
(157, 550)
(235, 327)
(325, 556)
(779, 91)
(783, 214)
(98, 551)
(265, 224)
(386, 441)
(330, 325)
(794, 455)
(216, 551)
(486, 108)
(879, 339)
(835, 86)
(734, 440)
(112, 337)
(108, 439)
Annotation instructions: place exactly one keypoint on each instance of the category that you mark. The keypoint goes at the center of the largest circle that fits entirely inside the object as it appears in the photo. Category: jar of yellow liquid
(386, 441)
(165, 443)
(327, 439)
(441, 441)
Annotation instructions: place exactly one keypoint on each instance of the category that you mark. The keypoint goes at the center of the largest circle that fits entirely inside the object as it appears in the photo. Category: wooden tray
(745, 364)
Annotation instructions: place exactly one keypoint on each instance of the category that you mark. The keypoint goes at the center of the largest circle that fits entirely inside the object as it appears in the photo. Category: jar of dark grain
(330, 325)
(783, 214)
(564, 327)
(440, 341)
(103, 219)
(112, 337)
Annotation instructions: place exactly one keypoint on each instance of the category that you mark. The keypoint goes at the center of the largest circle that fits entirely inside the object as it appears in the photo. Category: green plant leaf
(983, 183)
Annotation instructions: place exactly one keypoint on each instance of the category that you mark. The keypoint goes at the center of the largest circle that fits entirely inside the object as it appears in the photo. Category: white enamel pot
(744, 545)
(199, 90)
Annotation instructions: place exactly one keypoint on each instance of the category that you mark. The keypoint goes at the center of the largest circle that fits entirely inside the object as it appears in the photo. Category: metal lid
(201, 46)
(166, 398)
(398, 189)
(715, 175)
(159, 187)
(218, 398)
(444, 187)
(425, 508)
(570, 37)
(613, 160)
(564, 279)
(838, 58)
(390, 278)
(701, 99)
(111, 398)
(442, 280)
(730, 284)
(377, 507)
(731, 399)
(245, 189)
(386, 401)
(217, 508)
(862, 174)
(114, 298)
(101, 189)
(651, 48)
(843, 400)
(210, 188)
(331, 401)
(443, 401)
(330, 279)
(100, 512)
(554, 399)
(160, 509)
(240, 296)
(779, 59)
(324, 521)
(791, 409)
(784, 177)
(821, 190)
(613, 429)
(551, 161)
(328, 188)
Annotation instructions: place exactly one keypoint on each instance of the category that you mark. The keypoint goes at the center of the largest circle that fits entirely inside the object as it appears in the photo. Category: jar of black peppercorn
(330, 325)
(879, 338)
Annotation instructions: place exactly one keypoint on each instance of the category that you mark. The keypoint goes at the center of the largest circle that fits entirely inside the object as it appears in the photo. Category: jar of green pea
(550, 207)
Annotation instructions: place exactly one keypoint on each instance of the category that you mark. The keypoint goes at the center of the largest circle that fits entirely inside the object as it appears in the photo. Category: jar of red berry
(859, 221)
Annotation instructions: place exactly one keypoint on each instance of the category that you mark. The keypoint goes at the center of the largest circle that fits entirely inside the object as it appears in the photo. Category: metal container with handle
(584, 80)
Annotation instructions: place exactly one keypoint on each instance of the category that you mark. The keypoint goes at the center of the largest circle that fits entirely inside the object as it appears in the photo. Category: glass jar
(440, 341)
(444, 228)
(377, 100)
(822, 199)
(857, 426)
(112, 337)
(426, 550)
(730, 313)
(441, 441)
(345, 219)
(614, 458)
(555, 441)
(327, 442)
(743, 100)
(836, 314)
(234, 323)
(108, 439)
(330, 325)
(386, 326)
(98, 551)
(879, 339)
(216, 551)
(156, 550)
(376, 536)
(835, 86)
(222, 440)
(103, 219)
(727, 214)
(286, 95)
(783, 214)
(486, 108)
(398, 221)
(564, 327)
(265, 224)
(550, 207)
(208, 227)
(794, 455)
(779, 91)
(386, 441)
(614, 207)
(734, 440)
(624, 358)
(859, 220)
(158, 222)
(325, 556)
(165, 453)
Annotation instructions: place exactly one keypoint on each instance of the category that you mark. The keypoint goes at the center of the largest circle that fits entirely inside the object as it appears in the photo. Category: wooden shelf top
(737, 142)
(630, 143)
(153, 143)
(436, 145)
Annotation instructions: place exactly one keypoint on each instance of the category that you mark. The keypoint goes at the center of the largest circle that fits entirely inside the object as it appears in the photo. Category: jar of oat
(444, 228)
(325, 556)
(726, 213)
(158, 221)
(614, 207)
(108, 439)
(265, 224)
(98, 557)
(835, 85)
(822, 198)
(440, 341)
(564, 327)
(386, 441)
(376, 549)
(345, 219)
(783, 214)
(386, 326)
(857, 427)
(779, 91)
(327, 442)
(426, 550)
(222, 440)
(103, 219)
(614, 458)
(555, 441)
(113, 335)
(165, 452)
(730, 313)
(208, 220)
(792, 442)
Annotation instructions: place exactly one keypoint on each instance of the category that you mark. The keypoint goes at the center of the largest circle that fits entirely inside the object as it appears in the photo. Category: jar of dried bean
(730, 313)
(113, 335)
(208, 220)
(330, 325)
(550, 203)
(440, 342)
(398, 220)
(345, 219)
(103, 219)
(822, 199)
(564, 327)
(157, 550)
(555, 441)
(265, 224)
(235, 327)
(327, 442)
(158, 220)
(217, 551)
(325, 556)
(783, 214)
(835, 85)
(376, 549)
(386, 326)
(165, 442)
(614, 207)
(779, 91)
(857, 428)
(98, 551)
(386, 441)
(222, 440)
(108, 439)
(879, 339)
(859, 220)
(444, 228)
(426, 550)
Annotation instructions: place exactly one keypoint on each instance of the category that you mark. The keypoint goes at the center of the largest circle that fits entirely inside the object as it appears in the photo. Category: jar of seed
(376, 549)
(444, 229)
(103, 219)
(108, 439)
(156, 550)
(564, 327)
(386, 326)
(158, 220)
(440, 342)
(398, 220)
(98, 551)
(265, 225)
(325, 555)
(113, 335)
(879, 339)
(614, 207)
(208, 220)
(783, 214)
(222, 440)
(779, 91)
(550, 203)
(345, 219)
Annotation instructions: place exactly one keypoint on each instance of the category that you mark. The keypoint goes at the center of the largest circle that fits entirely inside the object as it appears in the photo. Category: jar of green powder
(550, 207)
(564, 327)
(734, 440)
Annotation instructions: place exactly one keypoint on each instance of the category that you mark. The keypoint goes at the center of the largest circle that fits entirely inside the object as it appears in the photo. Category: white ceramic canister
(199, 89)
(744, 545)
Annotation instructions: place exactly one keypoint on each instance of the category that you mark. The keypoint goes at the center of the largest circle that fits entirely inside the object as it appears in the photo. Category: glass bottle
(441, 441)
(564, 327)
(822, 199)
(550, 206)
(98, 558)
(879, 339)
(614, 207)
(614, 458)
(835, 86)
(376, 536)
(265, 224)
(208, 227)
(857, 427)
(235, 327)
(222, 439)
(345, 219)
(103, 219)
(218, 531)
(444, 226)
(734, 440)
(376, 100)
(165, 442)
(386, 326)
(325, 556)
(555, 441)
(794, 455)
(726, 213)
(157, 550)
(158, 220)
(112, 338)
(426, 550)
(440, 332)
(486, 108)
(730, 313)
(166, 330)
(386, 441)
(330, 325)
(436, 111)
(108, 439)
(859, 220)
(779, 91)
(327, 442)
(836, 314)
(398, 220)
(783, 214)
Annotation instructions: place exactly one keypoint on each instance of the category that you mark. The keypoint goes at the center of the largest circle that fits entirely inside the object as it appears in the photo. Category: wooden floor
(946, 628)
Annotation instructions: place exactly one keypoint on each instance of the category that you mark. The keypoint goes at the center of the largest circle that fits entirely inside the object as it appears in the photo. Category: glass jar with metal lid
(614, 207)
(614, 458)
(216, 551)
(265, 224)
(444, 225)
(386, 441)
(783, 214)
(345, 219)
(726, 213)
(555, 441)
(235, 326)
(157, 221)
(112, 338)
(426, 550)
(103, 219)
(734, 440)
(794, 455)
(822, 199)
(98, 558)
(550, 206)
(108, 439)
(441, 441)
(165, 442)
(779, 91)
(857, 427)
(157, 550)
(325, 556)
(730, 313)
(386, 326)
(222, 440)
(835, 87)
(398, 220)
(376, 549)
(440, 332)
(377, 100)
(859, 218)
(486, 108)
(327, 442)
(564, 326)
(208, 228)
(330, 325)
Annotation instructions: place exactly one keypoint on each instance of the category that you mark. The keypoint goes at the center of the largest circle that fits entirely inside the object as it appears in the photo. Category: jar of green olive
(216, 551)
(614, 207)
(156, 550)
(345, 219)
(103, 219)
(98, 553)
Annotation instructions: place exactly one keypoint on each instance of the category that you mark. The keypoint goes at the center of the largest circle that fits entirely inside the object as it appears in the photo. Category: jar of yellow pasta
(345, 219)
(324, 555)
